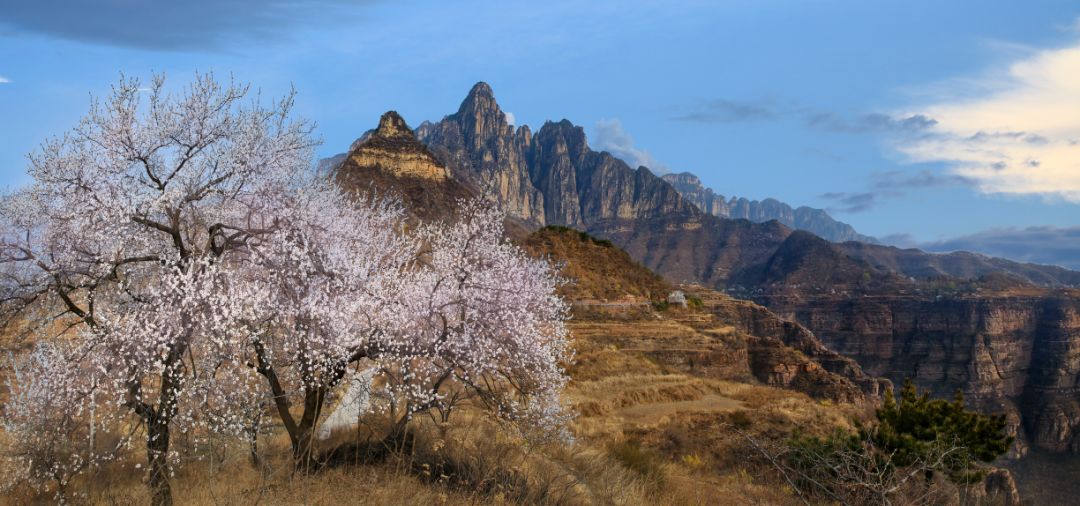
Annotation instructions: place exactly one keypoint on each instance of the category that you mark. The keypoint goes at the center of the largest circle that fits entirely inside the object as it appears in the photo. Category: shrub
(692, 461)
(631, 455)
(897, 459)
(740, 419)
(911, 426)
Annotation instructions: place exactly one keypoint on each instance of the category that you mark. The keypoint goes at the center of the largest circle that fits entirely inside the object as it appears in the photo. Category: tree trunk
(157, 455)
(253, 440)
(398, 439)
(303, 450)
(303, 438)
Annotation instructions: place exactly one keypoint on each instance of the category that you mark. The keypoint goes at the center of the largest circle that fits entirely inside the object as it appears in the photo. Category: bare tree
(853, 470)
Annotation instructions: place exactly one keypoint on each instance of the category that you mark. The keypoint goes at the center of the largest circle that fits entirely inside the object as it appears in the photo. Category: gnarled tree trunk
(157, 455)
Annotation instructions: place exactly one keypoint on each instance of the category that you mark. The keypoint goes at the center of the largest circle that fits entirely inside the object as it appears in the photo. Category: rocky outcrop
(816, 221)
(485, 152)
(785, 353)
(1012, 353)
(998, 487)
(550, 178)
(393, 148)
(390, 160)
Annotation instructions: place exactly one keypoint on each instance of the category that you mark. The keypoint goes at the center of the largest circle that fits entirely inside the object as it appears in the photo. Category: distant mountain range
(816, 221)
(553, 177)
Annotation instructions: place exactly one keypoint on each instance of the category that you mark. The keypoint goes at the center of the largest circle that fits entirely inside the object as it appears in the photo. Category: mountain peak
(480, 102)
(391, 124)
(392, 148)
(482, 89)
(685, 178)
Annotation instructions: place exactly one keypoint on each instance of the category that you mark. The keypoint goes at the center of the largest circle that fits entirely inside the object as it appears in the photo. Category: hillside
(596, 269)
(553, 177)
(750, 342)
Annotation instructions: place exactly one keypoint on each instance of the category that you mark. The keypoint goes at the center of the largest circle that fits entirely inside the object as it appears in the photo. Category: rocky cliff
(1014, 351)
(816, 221)
(484, 152)
(391, 160)
(550, 178)
(393, 148)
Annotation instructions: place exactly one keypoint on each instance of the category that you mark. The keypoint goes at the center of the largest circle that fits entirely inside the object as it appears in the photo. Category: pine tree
(910, 428)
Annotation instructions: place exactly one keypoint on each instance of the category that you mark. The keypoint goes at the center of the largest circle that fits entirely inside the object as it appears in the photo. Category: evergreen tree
(911, 426)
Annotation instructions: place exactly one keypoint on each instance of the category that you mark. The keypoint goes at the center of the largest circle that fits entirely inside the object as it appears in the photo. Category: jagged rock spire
(393, 148)
(481, 99)
(482, 122)
(391, 124)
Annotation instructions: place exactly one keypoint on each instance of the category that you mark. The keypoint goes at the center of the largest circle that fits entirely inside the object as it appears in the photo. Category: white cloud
(510, 117)
(609, 136)
(1012, 131)
(4, 80)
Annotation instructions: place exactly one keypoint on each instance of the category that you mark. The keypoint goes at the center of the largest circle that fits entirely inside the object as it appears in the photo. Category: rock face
(1012, 353)
(816, 221)
(390, 159)
(784, 353)
(550, 178)
(392, 148)
(484, 152)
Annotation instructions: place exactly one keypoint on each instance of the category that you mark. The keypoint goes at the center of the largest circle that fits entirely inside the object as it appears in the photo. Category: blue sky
(877, 111)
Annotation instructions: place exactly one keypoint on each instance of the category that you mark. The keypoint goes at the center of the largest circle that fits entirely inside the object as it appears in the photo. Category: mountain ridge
(553, 177)
(806, 218)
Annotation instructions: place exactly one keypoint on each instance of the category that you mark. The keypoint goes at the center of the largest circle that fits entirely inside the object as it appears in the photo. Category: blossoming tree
(484, 325)
(127, 227)
(199, 271)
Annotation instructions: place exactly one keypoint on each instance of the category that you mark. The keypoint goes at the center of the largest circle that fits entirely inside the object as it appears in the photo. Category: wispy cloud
(899, 180)
(870, 123)
(1014, 131)
(724, 110)
(851, 202)
(189, 25)
(890, 185)
(4, 80)
(609, 136)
